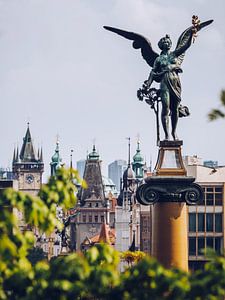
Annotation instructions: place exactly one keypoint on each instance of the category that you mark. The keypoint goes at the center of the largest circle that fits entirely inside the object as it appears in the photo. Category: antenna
(128, 138)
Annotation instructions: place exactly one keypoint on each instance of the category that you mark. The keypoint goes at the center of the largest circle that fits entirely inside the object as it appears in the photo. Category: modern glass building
(116, 170)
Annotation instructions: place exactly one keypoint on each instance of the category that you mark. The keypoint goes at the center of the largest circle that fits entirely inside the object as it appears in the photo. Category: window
(201, 245)
(90, 218)
(218, 245)
(96, 219)
(218, 222)
(201, 222)
(214, 195)
(192, 246)
(209, 242)
(209, 198)
(89, 204)
(209, 222)
(84, 218)
(192, 222)
(218, 198)
(102, 219)
(96, 204)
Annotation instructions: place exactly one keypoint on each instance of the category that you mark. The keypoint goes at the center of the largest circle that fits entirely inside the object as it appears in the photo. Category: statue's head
(165, 43)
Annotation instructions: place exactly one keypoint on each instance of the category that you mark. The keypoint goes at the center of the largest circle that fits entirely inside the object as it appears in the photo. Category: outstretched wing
(139, 42)
(185, 39)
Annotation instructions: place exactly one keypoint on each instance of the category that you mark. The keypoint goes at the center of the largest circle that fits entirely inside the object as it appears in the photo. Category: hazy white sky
(62, 72)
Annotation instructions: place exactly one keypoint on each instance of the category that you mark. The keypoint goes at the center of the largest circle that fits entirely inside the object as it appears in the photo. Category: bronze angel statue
(166, 67)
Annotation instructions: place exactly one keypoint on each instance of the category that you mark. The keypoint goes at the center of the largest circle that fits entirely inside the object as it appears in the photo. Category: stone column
(169, 240)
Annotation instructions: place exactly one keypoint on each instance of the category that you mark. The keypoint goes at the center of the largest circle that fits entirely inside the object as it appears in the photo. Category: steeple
(14, 155)
(93, 177)
(41, 155)
(128, 175)
(27, 153)
(56, 162)
(138, 163)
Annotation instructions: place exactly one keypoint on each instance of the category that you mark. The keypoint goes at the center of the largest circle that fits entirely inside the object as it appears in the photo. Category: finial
(28, 123)
(71, 158)
(57, 138)
(138, 141)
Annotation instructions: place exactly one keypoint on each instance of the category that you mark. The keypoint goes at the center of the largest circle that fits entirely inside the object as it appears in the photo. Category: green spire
(138, 163)
(94, 154)
(56, 162)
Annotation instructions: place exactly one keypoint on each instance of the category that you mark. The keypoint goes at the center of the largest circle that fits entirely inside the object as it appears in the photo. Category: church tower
(138, 163)
(93, 205)
(27, 166)
(56, 162)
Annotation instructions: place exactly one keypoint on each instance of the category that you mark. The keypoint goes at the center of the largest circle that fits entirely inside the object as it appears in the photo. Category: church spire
(56, 162)
(14, 155)
(93, 177)
(27, 153)
(138, 163)
(41, 155)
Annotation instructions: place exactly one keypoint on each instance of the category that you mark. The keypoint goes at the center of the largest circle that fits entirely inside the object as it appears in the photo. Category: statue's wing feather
(139, 42)
(185, 38)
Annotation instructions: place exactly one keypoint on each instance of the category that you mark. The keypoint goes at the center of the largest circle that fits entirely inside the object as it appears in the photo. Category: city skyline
(65, 75)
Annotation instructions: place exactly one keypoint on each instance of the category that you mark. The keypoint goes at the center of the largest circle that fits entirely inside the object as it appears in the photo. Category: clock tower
(27, 166)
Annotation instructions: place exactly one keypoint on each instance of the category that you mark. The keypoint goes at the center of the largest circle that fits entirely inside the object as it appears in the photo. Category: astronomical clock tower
(27, 166)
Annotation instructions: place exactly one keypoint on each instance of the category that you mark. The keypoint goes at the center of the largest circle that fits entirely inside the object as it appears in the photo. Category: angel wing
(139, 42)
(184, 41)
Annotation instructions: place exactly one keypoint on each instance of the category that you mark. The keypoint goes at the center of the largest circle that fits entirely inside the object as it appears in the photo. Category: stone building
(93, 207)
(132, 219)
(28, 166)
(207, 219)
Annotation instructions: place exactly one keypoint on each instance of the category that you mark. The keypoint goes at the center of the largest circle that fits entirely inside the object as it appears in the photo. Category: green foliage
(149, 280)
(15, 269)
(36, 254)
(131, 257)
(215, 114)
(94, 274)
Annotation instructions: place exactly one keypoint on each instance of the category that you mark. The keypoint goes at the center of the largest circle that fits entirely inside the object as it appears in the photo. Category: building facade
(132, 218)
(207, 219)
(93, 208)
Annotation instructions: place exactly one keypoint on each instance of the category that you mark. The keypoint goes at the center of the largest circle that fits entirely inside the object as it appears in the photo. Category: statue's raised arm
(186, 38)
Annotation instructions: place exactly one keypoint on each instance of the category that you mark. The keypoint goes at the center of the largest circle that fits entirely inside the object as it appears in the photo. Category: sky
(67, 76)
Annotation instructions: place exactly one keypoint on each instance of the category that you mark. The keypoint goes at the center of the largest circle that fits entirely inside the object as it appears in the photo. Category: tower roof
(94, 154)
(138, 163)
(56, 160)
(137, 158)
(93, 177)
(27, 153)
(104, 233)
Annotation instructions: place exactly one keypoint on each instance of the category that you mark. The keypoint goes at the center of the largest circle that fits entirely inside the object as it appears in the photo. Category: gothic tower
(93, 206)
(27, 166)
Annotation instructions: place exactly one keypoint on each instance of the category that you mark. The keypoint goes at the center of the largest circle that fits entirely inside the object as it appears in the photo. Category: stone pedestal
(170, 190)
